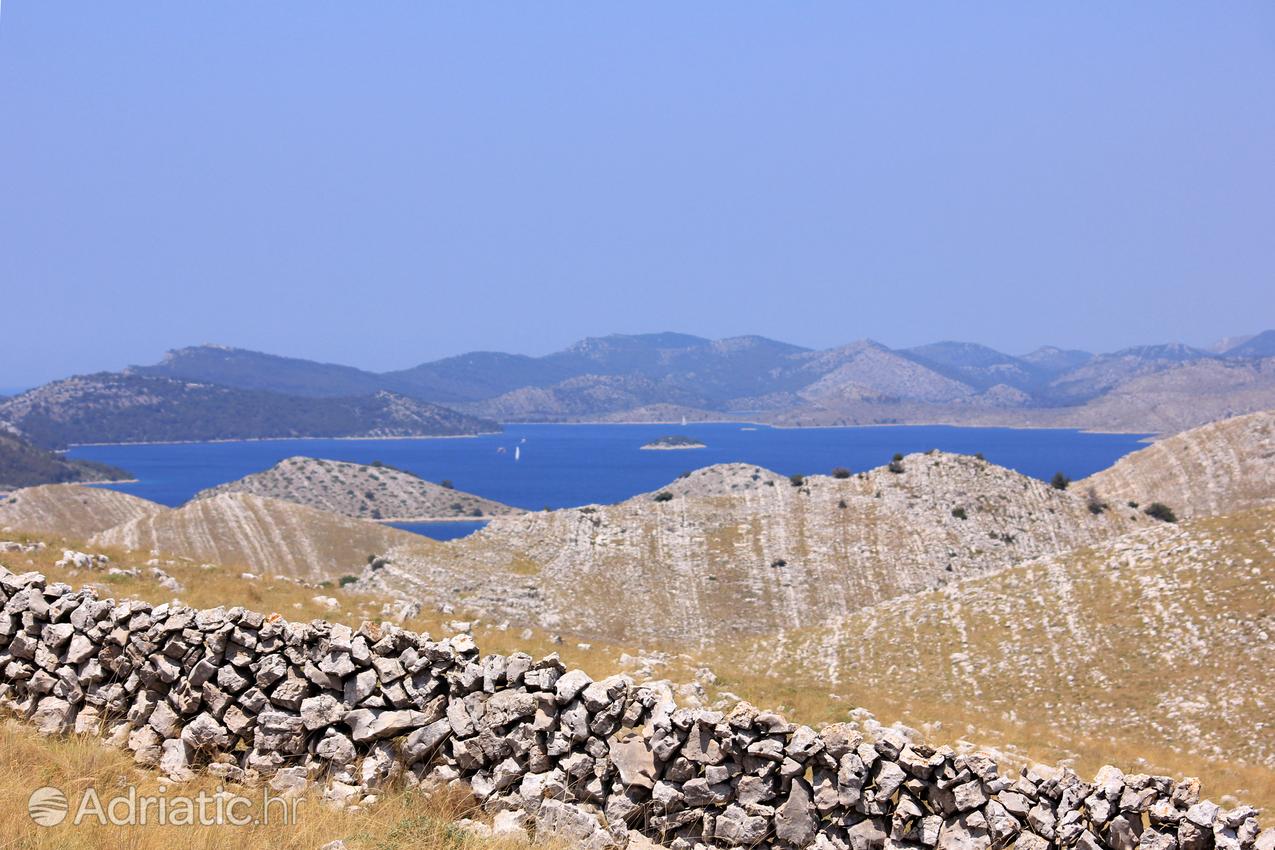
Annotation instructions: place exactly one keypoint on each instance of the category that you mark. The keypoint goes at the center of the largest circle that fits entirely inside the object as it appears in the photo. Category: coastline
(1148, 435)
(70, 446)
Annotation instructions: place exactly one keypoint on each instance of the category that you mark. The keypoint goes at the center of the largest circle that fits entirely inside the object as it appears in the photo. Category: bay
(556, 466)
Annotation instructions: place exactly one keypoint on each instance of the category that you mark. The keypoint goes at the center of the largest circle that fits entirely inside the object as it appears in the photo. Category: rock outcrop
(598, 763)
(1214, 469)
(736, 549)
(365, 491)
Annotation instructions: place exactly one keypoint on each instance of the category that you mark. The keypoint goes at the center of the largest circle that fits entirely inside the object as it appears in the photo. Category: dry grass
(899, 682)
(400, 819)
(1158, 660)
(211, 585)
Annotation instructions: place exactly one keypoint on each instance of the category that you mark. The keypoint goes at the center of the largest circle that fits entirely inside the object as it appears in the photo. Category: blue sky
(385, 183)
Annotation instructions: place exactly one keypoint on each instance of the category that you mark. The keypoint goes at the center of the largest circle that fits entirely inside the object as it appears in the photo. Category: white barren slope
(361, 490)
(736, 549)
(1217, 468)
(262, 534)
(72, 511)
(1160, 641)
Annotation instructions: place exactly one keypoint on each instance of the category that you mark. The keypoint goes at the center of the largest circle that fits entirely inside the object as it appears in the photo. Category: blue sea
(567, 465)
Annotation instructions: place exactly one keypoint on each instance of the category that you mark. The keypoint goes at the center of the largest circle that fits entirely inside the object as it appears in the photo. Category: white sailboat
(517, 452)
(683, 420)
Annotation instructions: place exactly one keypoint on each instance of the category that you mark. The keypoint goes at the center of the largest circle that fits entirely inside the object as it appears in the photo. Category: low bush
(1161, 511)
(840, 472)
(1060, 481)
(959, 513)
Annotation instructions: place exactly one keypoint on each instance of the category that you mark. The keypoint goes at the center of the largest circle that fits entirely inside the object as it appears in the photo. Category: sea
(556, 466)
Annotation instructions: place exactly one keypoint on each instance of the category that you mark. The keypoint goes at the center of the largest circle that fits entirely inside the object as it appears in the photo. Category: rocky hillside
(124, 407)
(25, 465)
(262, 535)
(1217, 468)
(1161, 640)
(71, 511)
(737, 549)
(365, 491)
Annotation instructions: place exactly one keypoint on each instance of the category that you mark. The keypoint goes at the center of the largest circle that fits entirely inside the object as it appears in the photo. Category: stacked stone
(604, 764)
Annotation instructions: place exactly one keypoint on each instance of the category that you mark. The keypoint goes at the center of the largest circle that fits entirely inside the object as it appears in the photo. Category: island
(674, 441)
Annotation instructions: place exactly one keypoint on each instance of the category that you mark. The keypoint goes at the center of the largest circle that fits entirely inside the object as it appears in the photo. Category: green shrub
(1095, 504)
(1161, 511)
(447, 484)
(1060, 481)
(840, 472)
(778, 562)
(663, 496)
(796, 479)
(959, 513)
(346, 581)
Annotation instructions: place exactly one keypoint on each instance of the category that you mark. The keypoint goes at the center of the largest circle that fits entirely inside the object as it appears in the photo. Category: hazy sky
(385, 183)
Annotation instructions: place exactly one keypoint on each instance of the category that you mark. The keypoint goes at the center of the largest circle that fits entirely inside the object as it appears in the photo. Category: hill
(25, 465)
(1156, 645)
(1218, 468)
(253, 370)
(358, 490)
(71, 511)
(262, 535)
(736, 549)
(1107, 371)
(979, 366)
(126, 407)
(1260, 345)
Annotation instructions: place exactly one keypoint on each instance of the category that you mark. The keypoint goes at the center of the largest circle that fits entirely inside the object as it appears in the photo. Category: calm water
(567, 465)
(441, 530)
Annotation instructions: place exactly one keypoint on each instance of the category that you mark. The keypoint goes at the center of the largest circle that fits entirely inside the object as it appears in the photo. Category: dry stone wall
(608, 763)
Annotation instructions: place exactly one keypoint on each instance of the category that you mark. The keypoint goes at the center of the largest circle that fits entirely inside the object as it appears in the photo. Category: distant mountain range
(214, 392)
(665, 376)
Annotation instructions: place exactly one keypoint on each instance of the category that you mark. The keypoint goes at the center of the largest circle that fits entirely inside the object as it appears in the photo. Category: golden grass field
(402, 819)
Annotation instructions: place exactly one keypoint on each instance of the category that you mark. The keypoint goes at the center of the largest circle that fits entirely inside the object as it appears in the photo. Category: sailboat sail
(517, 452)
